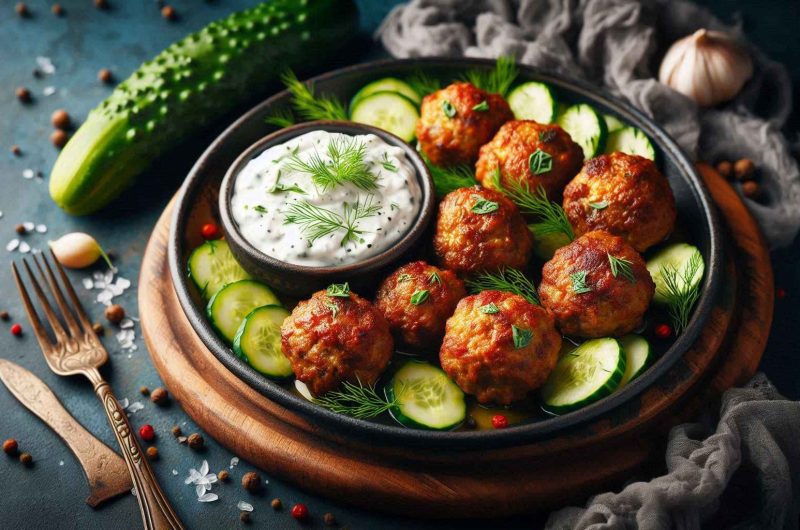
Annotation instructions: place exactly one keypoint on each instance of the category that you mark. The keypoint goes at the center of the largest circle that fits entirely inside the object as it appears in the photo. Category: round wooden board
(534, 477)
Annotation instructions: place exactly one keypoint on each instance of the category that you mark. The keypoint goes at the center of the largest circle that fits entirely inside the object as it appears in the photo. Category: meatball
(498, 347)
(597, 286)
(480, 229)
(511, 150)
(330, 339)
(457, 120)
(622, 194)
(416, 300)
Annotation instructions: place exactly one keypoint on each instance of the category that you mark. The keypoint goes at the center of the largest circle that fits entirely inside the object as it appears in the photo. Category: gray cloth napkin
(618, 44)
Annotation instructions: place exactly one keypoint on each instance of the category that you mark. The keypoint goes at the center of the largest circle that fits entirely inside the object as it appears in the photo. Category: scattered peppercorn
(22, 9)
(147, 432)
(115, 313)
(15, 150)
(725, 168)
(276, 504)
(101, 4)
(16, 330)
(300, 511)
(499, 421)
(159, 396)
(10, 447)
(223, 475)
(26, 458)
(210, 231)
(143, 390)
(4, 315)
(59, 138)
(168, 12)
(743, 169)
(251, 482)
(195, 441)
(23, 94)
(57, 10)
(751, 189)
(244, 517)
(104, 75)
(152, 453)
(176, 431)
(663, 331)
(60, 119)
(98, 328)
(329, 519)
(780, 292)
(20, 229)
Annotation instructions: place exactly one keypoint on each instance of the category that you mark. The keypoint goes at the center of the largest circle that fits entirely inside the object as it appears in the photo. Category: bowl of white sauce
(325, 202)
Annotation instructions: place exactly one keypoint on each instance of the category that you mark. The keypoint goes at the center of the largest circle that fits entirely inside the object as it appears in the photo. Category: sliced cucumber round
(533, 101)
(212, 265)
(637, 357)
(586, 127)
(680, 258)
(426, 397)
(258, 341)
(632, 141)
(228, 307)
(546, 244)
(612, 123)
(388, 111)
(588, 373)
(387, 84)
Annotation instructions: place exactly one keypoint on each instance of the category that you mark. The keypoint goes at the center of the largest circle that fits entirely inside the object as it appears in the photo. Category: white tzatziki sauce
(326, 199)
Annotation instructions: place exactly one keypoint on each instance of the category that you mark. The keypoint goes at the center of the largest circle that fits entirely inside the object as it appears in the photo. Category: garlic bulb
(77, 250)
(710, 67)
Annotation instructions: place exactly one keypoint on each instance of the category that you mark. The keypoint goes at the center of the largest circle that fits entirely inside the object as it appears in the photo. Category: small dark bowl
(300, 280)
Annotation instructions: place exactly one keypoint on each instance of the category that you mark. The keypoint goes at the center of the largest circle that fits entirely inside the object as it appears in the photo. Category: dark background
(51, 493)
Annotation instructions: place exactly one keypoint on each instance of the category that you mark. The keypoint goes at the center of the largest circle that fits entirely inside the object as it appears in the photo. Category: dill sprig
(507, 279)
(316, 222)
(498, 80)
(310, 106)
(447, 179)
(423, 84)
(346, 164)
(281, 118)
(356, 400)
(680, 292)
(551, 216)
(621, 267)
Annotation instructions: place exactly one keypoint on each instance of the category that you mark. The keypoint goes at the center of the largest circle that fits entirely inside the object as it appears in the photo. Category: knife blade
(105, 470)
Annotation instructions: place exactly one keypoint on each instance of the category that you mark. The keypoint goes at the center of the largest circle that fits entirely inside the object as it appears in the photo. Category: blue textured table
(51, 493)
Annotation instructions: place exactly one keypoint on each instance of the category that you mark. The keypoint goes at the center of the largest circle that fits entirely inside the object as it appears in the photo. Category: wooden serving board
(534, 477)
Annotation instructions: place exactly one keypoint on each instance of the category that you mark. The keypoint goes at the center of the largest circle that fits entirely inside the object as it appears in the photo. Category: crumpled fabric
(618, 44)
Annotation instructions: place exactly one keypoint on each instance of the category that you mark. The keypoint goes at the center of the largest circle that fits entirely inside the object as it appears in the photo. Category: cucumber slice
(387, 84)
(612, 123)
(258, 341)
(586, 128)
(427, 398)
(388, 111)
(212, 265)
(228, 307)
(586, 374)
(677, 256)
(637, 356)
(533, 101)
(632, 141)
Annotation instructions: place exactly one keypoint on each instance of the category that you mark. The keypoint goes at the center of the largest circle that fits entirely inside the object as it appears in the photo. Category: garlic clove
(77, 250)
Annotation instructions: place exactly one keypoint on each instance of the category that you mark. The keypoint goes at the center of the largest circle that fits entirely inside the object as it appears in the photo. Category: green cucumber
(588, 373)
(546, 244)
(427, 398)
(533, 101)
(387, 84)
(637, 357)
(612, 123)
(586, 127)
(632, 141)
(676, 256)
(258, 341)
(388, 111)
(212, 266)
(231, 304)
(192, 83)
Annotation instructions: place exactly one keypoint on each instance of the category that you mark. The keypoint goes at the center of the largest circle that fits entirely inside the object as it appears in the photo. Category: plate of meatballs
(480, 253)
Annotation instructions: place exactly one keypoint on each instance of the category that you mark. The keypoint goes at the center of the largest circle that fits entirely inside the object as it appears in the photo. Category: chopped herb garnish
(387, 164)
(522, 337)
(338, 290)
(508, 280)
(403, 277)
(448, 109)
(259, 208)
(498, 80)
(394, 206)
(540, 162)
(600, 205)
(484, 206)
(419, 297)
(489, 309)
(334, 309)
(280, 188)
(347, 164)
(311, 106)
(547, 136)
(447, 179)
(680, 291)
(483, 106)
(621, 267)
(435, 278)
(356, 400)
(316, 222)
(552, 218)
(578, 280)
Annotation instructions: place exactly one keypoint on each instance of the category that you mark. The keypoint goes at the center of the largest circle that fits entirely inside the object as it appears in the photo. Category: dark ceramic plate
(197, 203)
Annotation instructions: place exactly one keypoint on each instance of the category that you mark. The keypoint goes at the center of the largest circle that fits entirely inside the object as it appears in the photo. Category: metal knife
(105, 470)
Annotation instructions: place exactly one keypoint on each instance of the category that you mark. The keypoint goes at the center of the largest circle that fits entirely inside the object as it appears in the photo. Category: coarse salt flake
(46, 65)
(28, 225)
(244, 506)
(87, 283)
(42, 229)
(208, 497)
(49, 90)
(24, 247)
(12, 245)
(27, 173)
(234, 461)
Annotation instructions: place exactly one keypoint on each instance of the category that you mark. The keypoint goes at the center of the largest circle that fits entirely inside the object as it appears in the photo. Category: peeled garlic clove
(709, 67)
(76, 250)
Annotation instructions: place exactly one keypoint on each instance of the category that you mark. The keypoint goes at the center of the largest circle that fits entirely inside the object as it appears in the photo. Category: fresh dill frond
(680, 291)
(345, 163)
(281, 118)
(508, 280)
(621, 267)
(423, 84)
(447, 179)
(310, 106)
(315, 222)
(355, 212)
(551, 216)
(499, 79)
(356, 400)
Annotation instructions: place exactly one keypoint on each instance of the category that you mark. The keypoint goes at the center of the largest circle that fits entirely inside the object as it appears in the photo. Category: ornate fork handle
(156, 510)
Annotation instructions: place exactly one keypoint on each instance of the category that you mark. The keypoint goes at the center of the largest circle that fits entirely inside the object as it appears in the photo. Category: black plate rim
(391, 435)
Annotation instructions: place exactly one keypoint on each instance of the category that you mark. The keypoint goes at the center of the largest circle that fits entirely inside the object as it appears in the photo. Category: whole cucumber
(193, 82)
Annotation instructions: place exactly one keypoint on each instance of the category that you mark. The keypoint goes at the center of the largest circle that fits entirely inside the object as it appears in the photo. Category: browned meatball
(579, 287)
(333, 339)
(467, 240)
(417, 299)
(498, 347)
(457, 120)
(622, 194)
(511, 149)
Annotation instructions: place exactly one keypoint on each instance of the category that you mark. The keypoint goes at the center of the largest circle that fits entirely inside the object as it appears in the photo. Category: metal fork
(77, 350)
